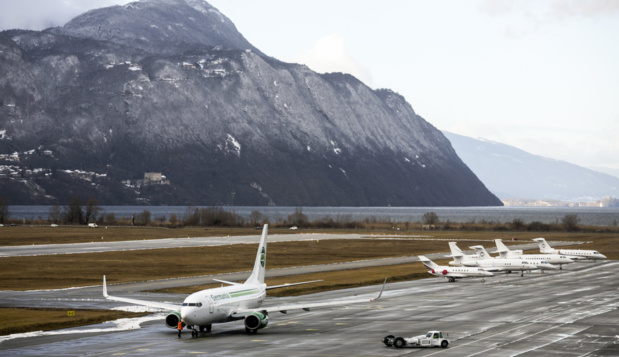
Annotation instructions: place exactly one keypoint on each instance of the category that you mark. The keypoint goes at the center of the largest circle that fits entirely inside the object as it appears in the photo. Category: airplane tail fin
(430, 265)
(455, 251)
(257, 275)
(481, 251)
(544, 247)
(500, 246)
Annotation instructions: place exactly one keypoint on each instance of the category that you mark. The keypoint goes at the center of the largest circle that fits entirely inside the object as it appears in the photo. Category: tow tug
(430, 339)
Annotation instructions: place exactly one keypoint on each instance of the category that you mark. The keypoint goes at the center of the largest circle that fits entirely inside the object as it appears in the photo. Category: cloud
(527, 17)
(42, 14)
(329, 54)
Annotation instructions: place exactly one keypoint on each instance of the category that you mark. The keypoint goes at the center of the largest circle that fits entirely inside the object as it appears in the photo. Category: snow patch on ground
(111, 326)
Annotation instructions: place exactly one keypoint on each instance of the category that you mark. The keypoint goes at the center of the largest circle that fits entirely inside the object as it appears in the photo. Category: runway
(569, 313)
(96, 247)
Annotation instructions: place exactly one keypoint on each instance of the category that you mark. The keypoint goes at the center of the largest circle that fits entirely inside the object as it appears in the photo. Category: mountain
(509, 172)
(164, 102)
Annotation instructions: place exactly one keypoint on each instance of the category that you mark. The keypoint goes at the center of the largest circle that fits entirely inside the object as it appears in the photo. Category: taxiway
(573, 312)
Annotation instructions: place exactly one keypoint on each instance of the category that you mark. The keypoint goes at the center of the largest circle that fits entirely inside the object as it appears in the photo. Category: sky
(541, 75)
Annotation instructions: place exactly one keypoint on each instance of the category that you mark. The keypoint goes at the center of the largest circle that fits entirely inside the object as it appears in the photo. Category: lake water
(602, 216)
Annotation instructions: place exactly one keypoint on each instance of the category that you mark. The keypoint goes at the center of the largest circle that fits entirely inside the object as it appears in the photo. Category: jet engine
(172, 319)
(256, 320)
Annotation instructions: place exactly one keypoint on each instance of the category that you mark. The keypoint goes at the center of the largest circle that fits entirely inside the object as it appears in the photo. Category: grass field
(61, 271)
(19, 320)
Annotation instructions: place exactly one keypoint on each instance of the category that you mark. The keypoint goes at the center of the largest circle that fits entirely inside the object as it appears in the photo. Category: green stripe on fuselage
(244, 292)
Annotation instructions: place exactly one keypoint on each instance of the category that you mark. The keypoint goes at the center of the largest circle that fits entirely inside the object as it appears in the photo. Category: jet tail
(430, 265)
(481, 251)
(544, 247)
(257, 275)
(455, 251)
(500, 246)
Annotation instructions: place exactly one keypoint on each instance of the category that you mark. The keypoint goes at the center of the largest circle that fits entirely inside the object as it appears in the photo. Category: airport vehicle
(574, 254)
(453, 273)
(235, 302)
(461, 259)
(430, 339)
(505, 252)
(507, 265)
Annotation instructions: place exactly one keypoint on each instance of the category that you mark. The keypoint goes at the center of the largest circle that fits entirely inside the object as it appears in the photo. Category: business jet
(554, 259)
(461, 259)
(453, 273)
(574, 254)
(235, 302)
(504, 264)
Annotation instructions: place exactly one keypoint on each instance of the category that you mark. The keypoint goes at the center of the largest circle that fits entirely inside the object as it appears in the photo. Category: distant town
(521, 202)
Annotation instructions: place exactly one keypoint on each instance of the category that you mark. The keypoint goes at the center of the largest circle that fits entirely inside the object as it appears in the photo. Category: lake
(594, 216)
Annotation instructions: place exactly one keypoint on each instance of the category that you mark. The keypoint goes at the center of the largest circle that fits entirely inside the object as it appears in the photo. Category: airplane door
(211, 305)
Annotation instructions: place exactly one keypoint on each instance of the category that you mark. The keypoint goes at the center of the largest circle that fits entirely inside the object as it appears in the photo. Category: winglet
(104, 288)
(381, 291)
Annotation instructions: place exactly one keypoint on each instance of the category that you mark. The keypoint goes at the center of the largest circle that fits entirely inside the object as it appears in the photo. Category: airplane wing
(307, 307)
(291, 284)
(159, 305)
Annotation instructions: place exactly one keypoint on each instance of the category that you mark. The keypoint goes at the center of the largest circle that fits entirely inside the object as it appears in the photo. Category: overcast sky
(539, 75)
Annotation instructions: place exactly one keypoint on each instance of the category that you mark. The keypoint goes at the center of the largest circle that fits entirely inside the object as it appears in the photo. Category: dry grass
(60, 271)
(28, 235)
(19, 320)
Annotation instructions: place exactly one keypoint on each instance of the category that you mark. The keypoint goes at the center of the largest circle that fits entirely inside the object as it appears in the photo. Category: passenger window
(436, 335)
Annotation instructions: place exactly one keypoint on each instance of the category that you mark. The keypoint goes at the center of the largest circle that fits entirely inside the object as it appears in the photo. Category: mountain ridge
(510, 173)
(89, 114)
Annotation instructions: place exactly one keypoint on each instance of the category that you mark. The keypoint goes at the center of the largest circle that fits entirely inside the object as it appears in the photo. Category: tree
(55, 214)
(297, 218)
(4, 209)
(92, 209)
(255, 217)
(570, 222)
(430, 218)
(74, 212)
(144, 218)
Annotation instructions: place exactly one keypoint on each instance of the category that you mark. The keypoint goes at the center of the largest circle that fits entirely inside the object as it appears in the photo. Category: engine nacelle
(256, 320)
(172, 319)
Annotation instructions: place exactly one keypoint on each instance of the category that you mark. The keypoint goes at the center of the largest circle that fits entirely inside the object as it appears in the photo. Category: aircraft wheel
(399, 342)
(444, 344)
(483, 280)
(388, 340)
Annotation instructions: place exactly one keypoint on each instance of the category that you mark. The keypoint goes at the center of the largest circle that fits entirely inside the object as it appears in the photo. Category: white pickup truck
(430, 339)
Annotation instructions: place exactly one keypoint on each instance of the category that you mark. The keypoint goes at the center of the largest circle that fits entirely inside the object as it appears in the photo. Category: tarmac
(573, 312)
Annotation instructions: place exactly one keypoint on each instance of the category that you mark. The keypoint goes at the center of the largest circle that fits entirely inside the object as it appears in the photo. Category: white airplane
(235, 302)
(503, 264)
(453, 273)
(559, 259)
(461, 259)
(574, 254)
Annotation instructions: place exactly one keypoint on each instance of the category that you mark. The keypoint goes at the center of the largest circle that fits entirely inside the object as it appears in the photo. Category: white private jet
(453, 273)
(559, 259)
(461, 259)
(235, 302)
(574, 254)
(504, 264)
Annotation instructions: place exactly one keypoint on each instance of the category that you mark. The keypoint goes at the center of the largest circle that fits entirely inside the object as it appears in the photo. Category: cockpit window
(198, 304)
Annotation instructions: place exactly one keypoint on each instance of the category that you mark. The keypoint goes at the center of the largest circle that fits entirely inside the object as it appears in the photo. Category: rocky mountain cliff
(513, 173)
(170, 86)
